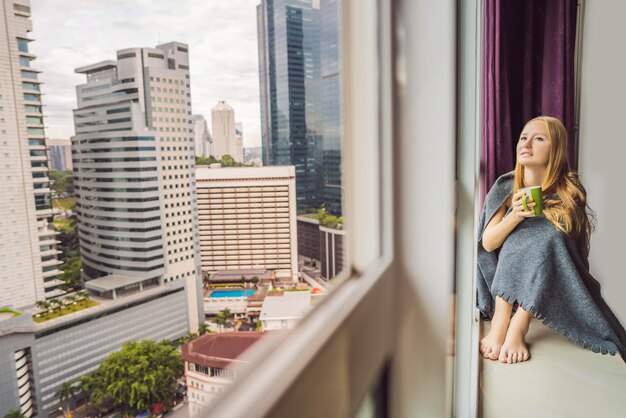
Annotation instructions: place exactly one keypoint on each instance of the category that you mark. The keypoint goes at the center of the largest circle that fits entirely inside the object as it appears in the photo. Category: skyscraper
(289, 76)
(59, 154)
(28, 254)
(203, 143)
(134, 170)
(331, 105)
(225, 139)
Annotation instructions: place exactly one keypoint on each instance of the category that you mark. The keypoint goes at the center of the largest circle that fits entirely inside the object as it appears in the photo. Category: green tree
(203, 328)
(43, 305)
(140, 375)
(83, 295)
(54, 304)
(327, 219)
(72, 264)
(62, 182)
(66, 393)
(206, 160)
(222, 318)
(68, 300)
(15, 413)
(227, 160)
(91, 386)
(71, 267)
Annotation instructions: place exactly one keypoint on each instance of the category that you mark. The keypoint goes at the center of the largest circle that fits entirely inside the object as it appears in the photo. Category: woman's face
(533, 147)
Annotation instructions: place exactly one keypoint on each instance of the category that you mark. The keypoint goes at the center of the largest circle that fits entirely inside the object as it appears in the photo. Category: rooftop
(111, 282)
(309, 217)
(99, 66)
(106, 304)
(206, 174)
(219, 350)
(288, 306)
(235, 275)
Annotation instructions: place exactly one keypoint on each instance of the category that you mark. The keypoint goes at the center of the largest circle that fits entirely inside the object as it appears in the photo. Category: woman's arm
(500, 226)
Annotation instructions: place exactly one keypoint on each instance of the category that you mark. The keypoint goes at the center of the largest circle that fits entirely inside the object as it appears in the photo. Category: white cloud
(221, 35)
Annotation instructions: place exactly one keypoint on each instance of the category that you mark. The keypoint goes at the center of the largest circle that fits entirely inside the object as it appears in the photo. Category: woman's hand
(518, 206)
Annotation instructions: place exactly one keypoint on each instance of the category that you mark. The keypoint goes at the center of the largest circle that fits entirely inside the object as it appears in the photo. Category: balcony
(43, 212)
(52, 283)
(51, 273)
(50, 252)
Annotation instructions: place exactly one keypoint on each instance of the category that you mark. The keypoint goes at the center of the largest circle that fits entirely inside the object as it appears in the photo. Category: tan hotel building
(247, 218)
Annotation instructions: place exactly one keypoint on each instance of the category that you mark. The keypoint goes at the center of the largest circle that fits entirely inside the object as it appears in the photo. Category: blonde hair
(568, 211)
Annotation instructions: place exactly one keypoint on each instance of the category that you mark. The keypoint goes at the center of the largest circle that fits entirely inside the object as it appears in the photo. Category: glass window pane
(30, 86)
(22, 45)
(29, 74)
(31, 97)
(32, 109)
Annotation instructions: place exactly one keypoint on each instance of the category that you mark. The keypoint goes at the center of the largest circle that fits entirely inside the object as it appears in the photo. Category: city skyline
(221, 70)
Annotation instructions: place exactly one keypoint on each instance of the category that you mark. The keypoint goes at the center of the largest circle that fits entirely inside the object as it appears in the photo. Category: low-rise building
(284, 311)
(321, 246)
(37, 358)
(207, 365)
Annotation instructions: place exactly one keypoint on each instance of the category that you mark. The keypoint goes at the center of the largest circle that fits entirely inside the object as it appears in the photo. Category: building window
(22, 45)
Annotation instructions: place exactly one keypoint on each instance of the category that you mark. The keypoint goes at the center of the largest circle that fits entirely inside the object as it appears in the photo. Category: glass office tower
(332, 106)
(290, 82)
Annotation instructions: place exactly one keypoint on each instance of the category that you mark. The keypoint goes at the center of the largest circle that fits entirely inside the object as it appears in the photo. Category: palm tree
(66, 393)
(220, 320)
(43, 305)
(203, 328)
(68, 300)
(227, 314)
(83, 295)
(91, 386)
(54, 304)
(14, 413)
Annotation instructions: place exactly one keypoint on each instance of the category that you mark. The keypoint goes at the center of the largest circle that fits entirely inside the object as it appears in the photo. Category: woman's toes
(514, 358)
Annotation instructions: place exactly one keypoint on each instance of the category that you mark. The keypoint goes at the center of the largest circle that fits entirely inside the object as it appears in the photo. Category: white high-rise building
(225, 140)
(203, 143)
(28, 254)
(134, 171)
(247, 218)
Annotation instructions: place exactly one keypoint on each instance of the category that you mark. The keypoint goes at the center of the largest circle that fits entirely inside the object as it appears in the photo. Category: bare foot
(491, 345)
(514, 349)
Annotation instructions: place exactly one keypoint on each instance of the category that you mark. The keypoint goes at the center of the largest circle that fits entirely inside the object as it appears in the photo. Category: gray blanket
(542, 270)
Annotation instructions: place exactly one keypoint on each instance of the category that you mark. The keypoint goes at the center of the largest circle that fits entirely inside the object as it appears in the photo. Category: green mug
(536, 193)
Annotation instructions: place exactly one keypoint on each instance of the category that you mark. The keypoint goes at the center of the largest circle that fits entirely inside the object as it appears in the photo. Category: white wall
(602, 142)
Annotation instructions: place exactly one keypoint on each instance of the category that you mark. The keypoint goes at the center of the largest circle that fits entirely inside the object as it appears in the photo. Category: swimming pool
(231, 293)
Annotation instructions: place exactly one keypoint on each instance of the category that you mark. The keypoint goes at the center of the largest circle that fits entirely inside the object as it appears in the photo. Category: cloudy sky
(221, 35)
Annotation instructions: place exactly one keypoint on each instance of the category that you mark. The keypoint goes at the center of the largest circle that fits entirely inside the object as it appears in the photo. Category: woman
(537, 265)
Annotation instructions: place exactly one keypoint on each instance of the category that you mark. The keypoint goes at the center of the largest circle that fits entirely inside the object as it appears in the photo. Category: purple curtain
(528, 70)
